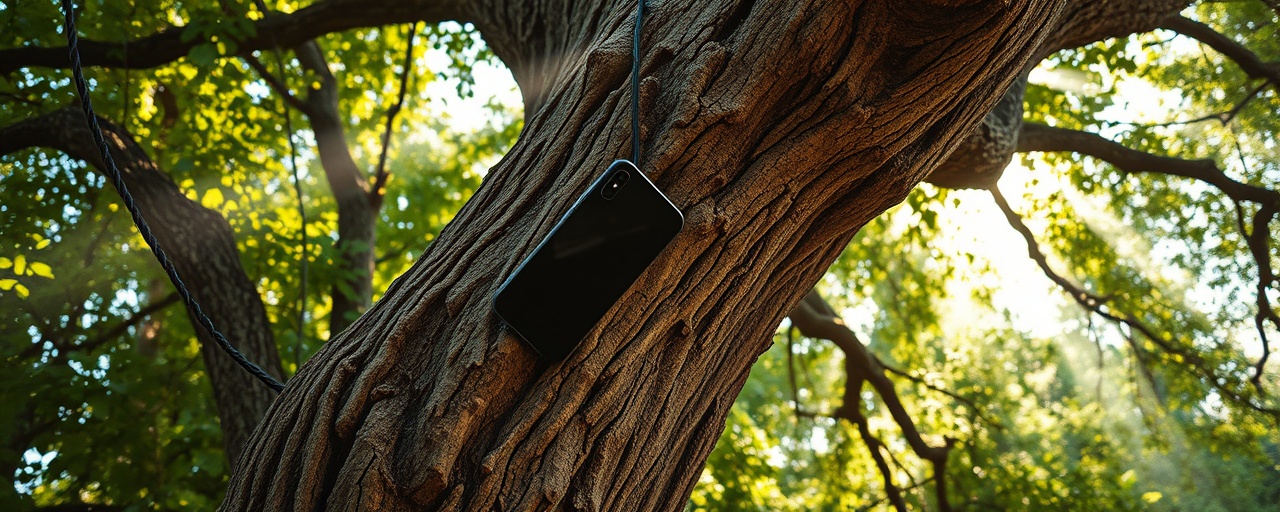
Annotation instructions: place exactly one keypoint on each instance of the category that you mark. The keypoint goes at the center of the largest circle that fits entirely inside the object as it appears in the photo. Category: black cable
(300, 339)
(117, 180)
(635, 87)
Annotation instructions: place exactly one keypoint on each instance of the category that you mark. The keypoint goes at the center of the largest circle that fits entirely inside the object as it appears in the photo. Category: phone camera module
(614, 184)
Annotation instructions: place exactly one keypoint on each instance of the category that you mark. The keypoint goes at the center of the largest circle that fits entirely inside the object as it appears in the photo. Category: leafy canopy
(1051, 407)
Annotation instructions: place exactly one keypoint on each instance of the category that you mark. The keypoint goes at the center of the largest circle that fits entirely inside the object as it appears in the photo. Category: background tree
(989, 412)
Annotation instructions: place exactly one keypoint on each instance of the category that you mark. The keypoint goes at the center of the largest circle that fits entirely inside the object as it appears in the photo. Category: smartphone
(594, 253)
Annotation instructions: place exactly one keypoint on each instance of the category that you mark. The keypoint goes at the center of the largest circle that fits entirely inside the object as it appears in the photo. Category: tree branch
(791, 370)
(80, 507)
(276, 84)
(1088, 22)
(1223, 118)
(380, 176)
(1259, 241)
(1039, 137)
(1248, 61)
(955, 396)
(916, 485)
(123, 327)
(854, 415)
(112, 333)
(1096, 305)
(816, 319)
(287, 30)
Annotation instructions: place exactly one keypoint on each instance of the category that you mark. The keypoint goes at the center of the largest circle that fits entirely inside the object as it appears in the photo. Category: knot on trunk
(981, 158)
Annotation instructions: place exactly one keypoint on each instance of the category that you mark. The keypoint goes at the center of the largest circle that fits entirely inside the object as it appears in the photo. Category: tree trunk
(357, 205)
(779, 128)
(203, 249)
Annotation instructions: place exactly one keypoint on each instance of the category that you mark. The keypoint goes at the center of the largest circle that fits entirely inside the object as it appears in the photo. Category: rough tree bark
(779, 129)
(981, 158)
(203, 249)
(428, 403)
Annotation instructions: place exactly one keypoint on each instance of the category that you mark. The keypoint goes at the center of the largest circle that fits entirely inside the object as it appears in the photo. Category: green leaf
(212, 198)
(191, 31)
(203, 55)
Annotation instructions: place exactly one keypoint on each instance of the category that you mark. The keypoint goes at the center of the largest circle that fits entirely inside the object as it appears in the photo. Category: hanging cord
(297, 189)
(302, 221)
(117, 180)
(635, 87)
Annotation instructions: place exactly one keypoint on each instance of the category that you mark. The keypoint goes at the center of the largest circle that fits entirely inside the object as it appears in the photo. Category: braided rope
(117, 179)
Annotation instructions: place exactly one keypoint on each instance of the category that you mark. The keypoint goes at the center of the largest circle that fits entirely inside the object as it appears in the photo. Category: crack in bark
(360, 481)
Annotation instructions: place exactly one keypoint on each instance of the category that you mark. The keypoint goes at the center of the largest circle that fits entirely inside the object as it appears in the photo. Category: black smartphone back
(597, 250)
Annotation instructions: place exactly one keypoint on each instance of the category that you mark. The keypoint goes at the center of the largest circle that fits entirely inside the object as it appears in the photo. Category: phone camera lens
(614, 184)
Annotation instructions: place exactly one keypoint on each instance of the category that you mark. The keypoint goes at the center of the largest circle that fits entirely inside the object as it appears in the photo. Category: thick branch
(1259, 241)
(816, 319)
(1039, 137)
(982, 157)
(357, 205)
(1248, 61)
(287, 30)
(1088, 22)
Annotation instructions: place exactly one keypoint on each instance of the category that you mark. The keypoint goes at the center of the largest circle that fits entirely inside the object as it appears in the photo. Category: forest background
(1121, 366)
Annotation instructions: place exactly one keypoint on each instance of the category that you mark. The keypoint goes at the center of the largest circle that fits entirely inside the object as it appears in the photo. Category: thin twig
(956, 396)
(791, 371)
(380, 176)
(275, 83)
(1223, 118)
(1094, 304)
